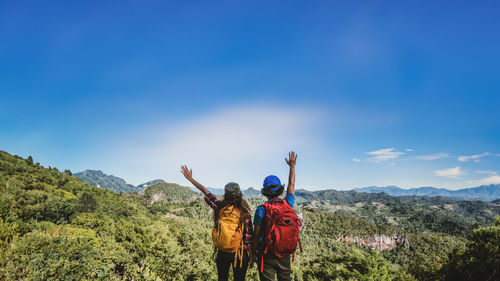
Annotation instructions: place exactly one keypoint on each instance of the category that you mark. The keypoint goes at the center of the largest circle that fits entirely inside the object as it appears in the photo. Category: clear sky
(366, 92)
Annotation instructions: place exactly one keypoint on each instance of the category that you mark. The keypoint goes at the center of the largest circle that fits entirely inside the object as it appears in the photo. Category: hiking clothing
(260, 212)
(213, 202)
(225, 261)
(275, 266)
(269, 264)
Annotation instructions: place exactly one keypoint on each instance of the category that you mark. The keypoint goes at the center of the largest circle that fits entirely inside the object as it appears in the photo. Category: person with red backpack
(232, 232)
(276, 227)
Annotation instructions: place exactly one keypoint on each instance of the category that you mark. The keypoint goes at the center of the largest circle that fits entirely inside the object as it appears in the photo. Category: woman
(232, 234)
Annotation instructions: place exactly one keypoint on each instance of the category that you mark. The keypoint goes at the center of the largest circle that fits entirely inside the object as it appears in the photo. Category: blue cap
(272, 180)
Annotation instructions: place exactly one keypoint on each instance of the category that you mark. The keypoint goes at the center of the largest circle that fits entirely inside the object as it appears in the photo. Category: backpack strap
(293, 254)
(239, 255)
(265, 205)
(262, 263)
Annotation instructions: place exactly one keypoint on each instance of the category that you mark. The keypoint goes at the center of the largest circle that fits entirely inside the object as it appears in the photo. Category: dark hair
(270, 194)
(236, 200)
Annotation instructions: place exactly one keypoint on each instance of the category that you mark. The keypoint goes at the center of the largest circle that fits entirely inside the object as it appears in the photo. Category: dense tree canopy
(480, 259)
(54, 226)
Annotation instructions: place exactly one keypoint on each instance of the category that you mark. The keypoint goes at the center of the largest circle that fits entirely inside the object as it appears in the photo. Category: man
(269, 264)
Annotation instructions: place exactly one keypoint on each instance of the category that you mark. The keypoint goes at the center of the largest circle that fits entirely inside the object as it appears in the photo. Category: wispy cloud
(455, 173)
(433, 156)
(409, 150)
(493, 178)
(229, 144)
(385, 154)
(487, 172)
(356, 160)
(475, 157)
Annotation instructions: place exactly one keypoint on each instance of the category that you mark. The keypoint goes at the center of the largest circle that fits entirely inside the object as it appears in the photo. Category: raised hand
(292, 159)
(188, 173)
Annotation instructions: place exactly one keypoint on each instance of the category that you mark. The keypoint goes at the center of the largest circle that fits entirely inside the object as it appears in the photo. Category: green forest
(54, 226)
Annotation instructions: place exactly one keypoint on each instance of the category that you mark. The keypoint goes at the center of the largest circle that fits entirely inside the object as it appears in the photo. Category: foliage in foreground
(480, 259)
(55, 227)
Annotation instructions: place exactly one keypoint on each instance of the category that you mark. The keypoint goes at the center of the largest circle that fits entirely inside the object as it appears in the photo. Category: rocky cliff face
(378, 242)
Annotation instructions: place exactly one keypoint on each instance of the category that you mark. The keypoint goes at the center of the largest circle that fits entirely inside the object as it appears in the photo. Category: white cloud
(356, 160)
(493, 179)
(232, 144)
(433, 156)
(455, 173)
(409, 149)
(487, 172)
(473, 157)
(385, 154)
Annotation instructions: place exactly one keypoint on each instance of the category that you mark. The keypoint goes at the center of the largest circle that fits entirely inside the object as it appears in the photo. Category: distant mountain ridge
(249, 192)
(484, 192)
(150, 183)
(116, 184)
(113, 183)
(252, 192)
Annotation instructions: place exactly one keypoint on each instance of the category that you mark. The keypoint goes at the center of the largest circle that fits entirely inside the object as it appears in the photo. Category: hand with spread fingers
(292, 159)
(188, 173)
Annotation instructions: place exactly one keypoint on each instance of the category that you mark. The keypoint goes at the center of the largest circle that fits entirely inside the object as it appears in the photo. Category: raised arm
(292, 159)
(188, 174)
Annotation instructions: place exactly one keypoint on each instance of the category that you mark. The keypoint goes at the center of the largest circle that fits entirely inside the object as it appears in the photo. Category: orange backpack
(227, 235)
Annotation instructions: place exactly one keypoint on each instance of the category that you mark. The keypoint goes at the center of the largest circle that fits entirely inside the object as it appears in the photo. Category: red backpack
(282, 229)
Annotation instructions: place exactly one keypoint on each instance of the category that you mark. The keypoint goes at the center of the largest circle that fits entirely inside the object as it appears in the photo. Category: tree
(88, 203)
(480, 260)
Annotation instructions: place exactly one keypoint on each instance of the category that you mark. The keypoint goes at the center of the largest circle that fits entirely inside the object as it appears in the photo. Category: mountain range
(116, 184)
(113, 183)
(485, 193)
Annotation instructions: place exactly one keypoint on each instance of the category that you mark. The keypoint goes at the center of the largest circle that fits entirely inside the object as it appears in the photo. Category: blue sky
(366, 92)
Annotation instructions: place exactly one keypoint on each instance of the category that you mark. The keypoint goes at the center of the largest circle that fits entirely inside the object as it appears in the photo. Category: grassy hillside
(56, 227)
